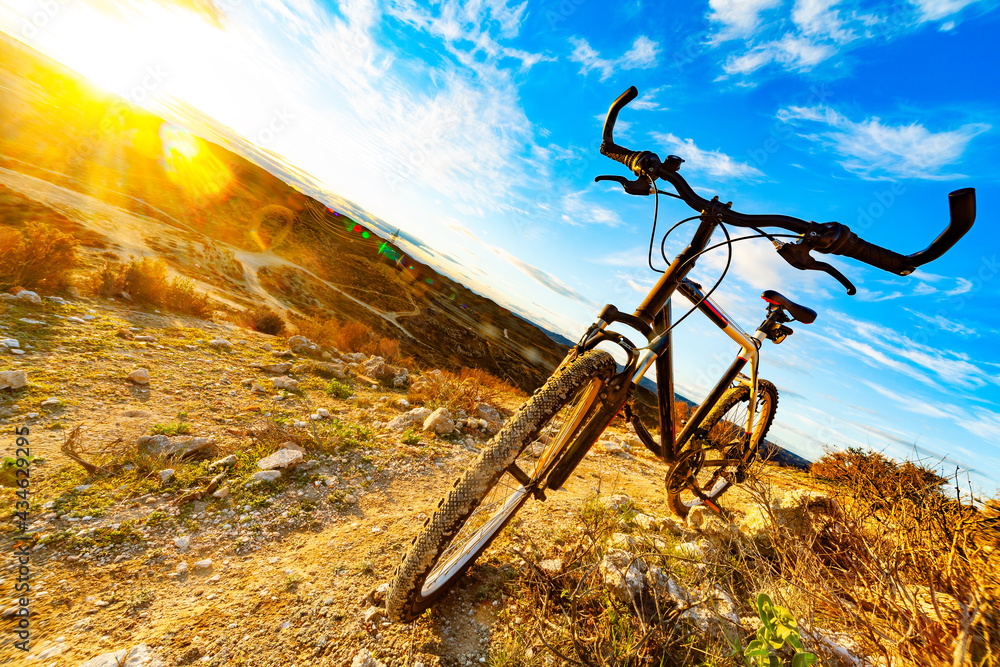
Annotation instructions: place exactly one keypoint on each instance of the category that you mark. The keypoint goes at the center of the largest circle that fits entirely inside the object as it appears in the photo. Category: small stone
(324, 413)
(257, 389)
(125, 334)
(227, 462)
(182, 567)
(266, 475)
(75, 320)
(439, 422)
(89, 318)
(552, 566)
(166, 474)
(9, 342)
(182, 543)
(144, 339)
(283, 458)
(139, 376)
(221, 344)
(221, 493)
(13, 379)
(372, 613)
(267, 347)
(30, 297)
(293, 446)
(285, 383)
(202, 564)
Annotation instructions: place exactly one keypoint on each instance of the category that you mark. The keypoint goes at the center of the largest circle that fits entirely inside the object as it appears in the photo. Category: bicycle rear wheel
(487, 496)
(714, 463)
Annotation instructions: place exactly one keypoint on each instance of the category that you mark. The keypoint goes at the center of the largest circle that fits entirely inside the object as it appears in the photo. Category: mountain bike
(565, 417)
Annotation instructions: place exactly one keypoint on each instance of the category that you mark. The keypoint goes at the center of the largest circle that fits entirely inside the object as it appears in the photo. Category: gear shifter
(797, 254)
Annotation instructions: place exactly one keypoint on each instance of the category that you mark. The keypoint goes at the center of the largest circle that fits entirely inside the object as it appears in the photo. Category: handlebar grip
(621, 154)
(877, 256)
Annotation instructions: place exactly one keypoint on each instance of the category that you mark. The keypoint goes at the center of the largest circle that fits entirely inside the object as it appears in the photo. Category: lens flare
(191, 165)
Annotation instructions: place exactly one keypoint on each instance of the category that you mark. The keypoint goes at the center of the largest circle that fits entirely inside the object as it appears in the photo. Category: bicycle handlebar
(830, 238)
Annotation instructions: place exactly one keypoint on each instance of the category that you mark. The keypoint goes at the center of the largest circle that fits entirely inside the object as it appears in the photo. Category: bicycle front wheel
(714, 463)
(483, 500)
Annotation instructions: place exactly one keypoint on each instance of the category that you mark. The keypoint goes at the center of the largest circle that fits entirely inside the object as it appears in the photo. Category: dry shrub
(261, 319)
(147, 280)
(460, 391)
(908, 572)
(36, 257)
(351, 336)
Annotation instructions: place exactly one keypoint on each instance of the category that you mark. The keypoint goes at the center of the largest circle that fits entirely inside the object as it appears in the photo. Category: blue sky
(474, 126)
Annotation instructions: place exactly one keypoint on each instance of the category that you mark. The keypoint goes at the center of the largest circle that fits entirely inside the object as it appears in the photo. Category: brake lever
(640, 186)
(797, 254)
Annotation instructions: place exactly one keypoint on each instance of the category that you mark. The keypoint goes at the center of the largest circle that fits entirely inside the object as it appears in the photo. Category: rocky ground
(253, 498)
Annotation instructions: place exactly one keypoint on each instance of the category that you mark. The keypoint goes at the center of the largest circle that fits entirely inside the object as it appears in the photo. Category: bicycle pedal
(539, 494)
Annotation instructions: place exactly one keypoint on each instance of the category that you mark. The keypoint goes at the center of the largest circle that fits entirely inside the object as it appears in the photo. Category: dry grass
(906, 572)
(351, 336)
(460, 391)
(36, 257)
(147, 280)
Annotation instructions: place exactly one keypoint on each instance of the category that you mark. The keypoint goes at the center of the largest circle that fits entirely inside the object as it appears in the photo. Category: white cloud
(873, 149)
(793, 51)
(943, 323)
(712, 162)
(964, 285)
(819, 18)
(739, 18)
(935, 10)
(642, 55)
(578, 211)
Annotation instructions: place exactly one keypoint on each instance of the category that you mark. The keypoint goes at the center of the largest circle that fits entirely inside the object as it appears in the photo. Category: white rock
(413, 418)
(364, 658)
(283, 458)
(616, 502)
(89, 318)
(13, 379)
(439, 422)
(144, 339)
(182, 543)
(75, 320)
(286, 383)
(266, 475)
(139, 376)
(221, 493)
(30, 297)
(646, 521)
(166, 474)
(49, 401)
(689, 550)
(324, 413)
(182, 567)
(9, 342)
(402, 404)
(202, 564)
(14, 350)
(140, 656)
(57, 299)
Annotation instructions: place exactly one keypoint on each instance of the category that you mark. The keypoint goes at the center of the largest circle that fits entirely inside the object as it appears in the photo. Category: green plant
(410, 437)
(779, 629)
(8, 470)
(179, 428)
(339, 389)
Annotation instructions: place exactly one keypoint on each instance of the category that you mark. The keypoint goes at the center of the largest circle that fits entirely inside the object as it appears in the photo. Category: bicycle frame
(653, 319)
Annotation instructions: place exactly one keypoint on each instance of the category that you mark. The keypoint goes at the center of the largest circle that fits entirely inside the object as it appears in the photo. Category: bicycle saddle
(801, 313)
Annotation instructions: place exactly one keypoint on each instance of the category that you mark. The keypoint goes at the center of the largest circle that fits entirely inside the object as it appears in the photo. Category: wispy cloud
(873, 149)
(544, 278)
(642, 55)
(711, 162)
(738, 18)
(943, 323)
(794, 52)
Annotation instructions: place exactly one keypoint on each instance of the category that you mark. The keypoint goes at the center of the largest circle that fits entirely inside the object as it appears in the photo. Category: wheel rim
(730, 445)
(507, 495)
